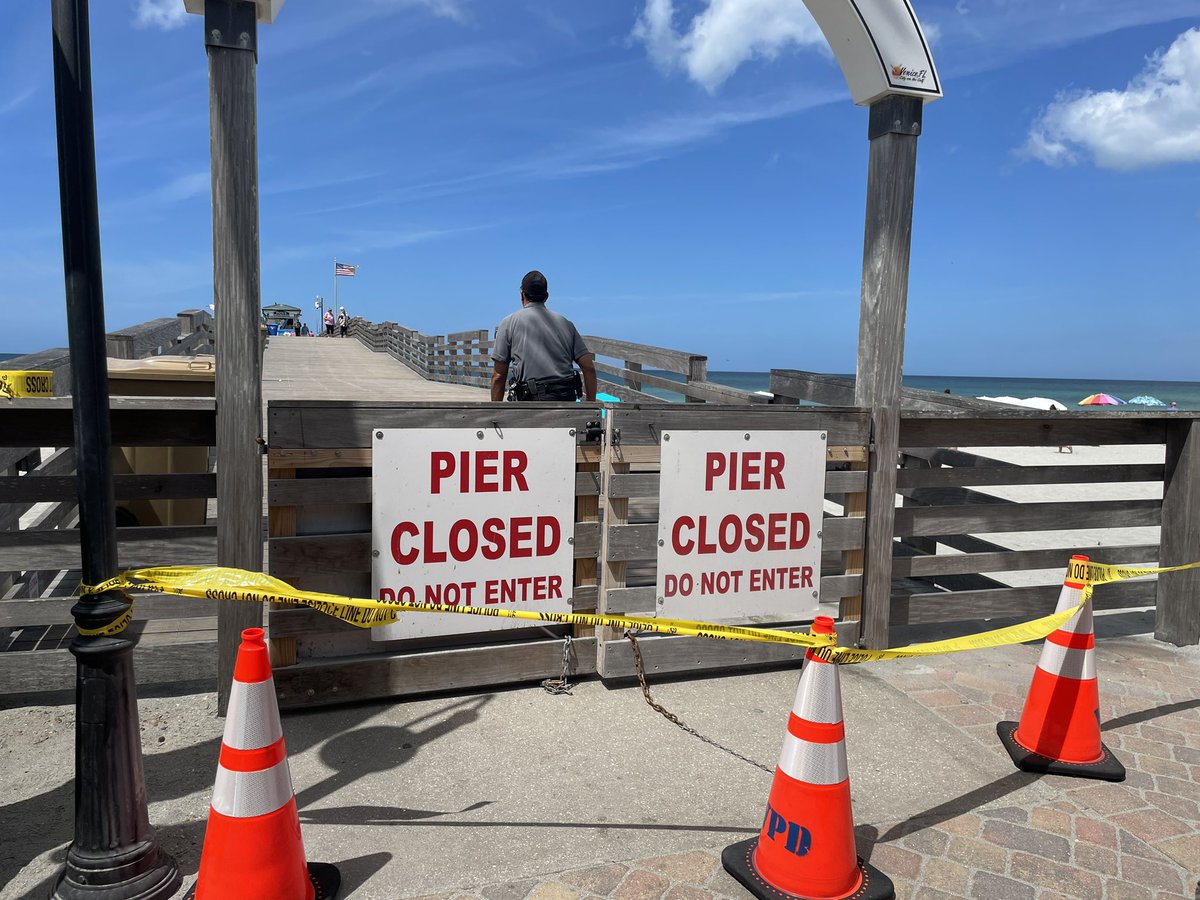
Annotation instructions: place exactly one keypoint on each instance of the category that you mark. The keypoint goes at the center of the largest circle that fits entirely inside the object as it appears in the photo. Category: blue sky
(690, 174)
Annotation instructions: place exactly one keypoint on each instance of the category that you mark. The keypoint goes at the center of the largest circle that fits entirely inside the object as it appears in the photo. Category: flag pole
(335, 287)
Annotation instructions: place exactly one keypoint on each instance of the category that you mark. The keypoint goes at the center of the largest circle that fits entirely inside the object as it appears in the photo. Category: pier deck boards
(343, 369)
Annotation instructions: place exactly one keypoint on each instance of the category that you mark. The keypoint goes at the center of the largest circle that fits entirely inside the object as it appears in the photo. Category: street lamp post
(114, 853)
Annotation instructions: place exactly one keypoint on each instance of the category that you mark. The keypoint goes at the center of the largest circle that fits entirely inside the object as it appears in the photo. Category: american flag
(343, 269)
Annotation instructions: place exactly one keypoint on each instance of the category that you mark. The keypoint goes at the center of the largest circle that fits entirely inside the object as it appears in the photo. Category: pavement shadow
(1147, 714)
(357, 753)
(955, 807)
(46, 821)
(358, 871)
(398, 815)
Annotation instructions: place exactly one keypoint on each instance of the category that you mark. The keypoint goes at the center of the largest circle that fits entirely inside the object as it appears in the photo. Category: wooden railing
(191, 333)
(942, 570)
(967, 545)
(462, 358)
(39, 543)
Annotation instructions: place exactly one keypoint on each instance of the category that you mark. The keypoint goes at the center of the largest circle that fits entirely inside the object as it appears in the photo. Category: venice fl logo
(912, 76)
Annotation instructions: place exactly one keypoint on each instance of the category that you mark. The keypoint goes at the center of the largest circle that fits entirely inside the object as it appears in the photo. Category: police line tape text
(494, 591)
(779, 578)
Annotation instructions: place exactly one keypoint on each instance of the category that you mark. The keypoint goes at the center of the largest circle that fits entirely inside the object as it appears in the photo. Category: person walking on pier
(536, 350)
(343, 322)
(329, 322)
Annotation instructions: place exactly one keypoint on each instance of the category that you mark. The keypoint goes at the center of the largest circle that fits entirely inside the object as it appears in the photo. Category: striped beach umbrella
(1100, 400)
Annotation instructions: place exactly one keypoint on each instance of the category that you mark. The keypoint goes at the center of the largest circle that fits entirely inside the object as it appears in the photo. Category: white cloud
(1154, 121)
(446, 9)
(164, 14)
(724, 35)
(16, 100)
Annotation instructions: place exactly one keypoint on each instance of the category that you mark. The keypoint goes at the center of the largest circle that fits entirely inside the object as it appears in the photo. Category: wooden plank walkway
(337, 368)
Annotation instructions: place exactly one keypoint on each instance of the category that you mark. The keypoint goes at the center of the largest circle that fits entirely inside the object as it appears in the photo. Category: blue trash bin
(273, 329)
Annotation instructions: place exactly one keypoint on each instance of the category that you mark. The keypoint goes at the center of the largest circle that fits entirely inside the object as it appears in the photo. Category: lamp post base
(141, 872)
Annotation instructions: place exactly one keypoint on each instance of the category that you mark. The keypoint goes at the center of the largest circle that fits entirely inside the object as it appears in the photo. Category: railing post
(1177, 613)
(633, 383)
(697, 372)
(119, 345)
(894, 124)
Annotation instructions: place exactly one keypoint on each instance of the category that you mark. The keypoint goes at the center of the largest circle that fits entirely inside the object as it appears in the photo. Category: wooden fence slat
(938, 520)
(1017, 428)
(137, 547)
(49, 488)
(1015, 561)
(312, 683)
(1038, 600)
(1007, 475)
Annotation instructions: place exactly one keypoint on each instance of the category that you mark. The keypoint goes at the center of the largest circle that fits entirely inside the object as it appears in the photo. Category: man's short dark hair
(534, 287)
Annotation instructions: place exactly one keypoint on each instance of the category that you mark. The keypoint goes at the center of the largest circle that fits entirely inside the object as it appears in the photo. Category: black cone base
(325, 878)
(1109, 768)
(737, 859)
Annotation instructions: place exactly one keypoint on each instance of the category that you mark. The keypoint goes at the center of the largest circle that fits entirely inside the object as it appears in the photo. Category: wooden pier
(975, 536)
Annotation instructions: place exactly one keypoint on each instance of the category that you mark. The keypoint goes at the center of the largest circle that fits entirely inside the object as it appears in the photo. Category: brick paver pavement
(1128, 841)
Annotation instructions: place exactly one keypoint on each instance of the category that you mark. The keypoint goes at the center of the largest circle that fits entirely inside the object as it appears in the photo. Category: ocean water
(1066, 391)
(4, 356)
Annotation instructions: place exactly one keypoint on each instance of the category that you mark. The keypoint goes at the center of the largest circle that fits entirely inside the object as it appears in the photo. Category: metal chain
(561, 685)
(671, 717)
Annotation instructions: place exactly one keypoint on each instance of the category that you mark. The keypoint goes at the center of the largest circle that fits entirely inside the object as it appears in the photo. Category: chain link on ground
(561, 685)
(671, 717)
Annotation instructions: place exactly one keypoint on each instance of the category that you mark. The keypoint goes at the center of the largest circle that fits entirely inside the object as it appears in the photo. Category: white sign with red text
(482, 518)
(739, 525)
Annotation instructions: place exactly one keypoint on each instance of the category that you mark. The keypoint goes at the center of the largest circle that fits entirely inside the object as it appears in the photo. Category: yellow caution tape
(116, 626)
(26, 384)
(218, 583)
(1091, 573)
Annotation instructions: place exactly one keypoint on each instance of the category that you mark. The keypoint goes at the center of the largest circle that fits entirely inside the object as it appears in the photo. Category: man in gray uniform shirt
(535, 350)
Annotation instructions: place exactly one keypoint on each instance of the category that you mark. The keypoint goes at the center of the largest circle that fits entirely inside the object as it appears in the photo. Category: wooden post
(616, 512)
(230, 36)
(697, 373)
(1177, 613)
(631, 381)
(895, 124)
(119, 346)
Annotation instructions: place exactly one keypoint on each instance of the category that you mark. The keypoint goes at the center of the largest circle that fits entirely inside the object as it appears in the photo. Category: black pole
(114, 854)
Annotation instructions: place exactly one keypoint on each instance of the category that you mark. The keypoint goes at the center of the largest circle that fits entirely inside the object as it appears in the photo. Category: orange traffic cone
(806, 846)
(252, 848)
(1059, 731)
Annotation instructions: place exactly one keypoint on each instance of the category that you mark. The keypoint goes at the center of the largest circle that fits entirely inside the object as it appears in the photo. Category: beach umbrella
(1147, 400)
(1100, 400)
